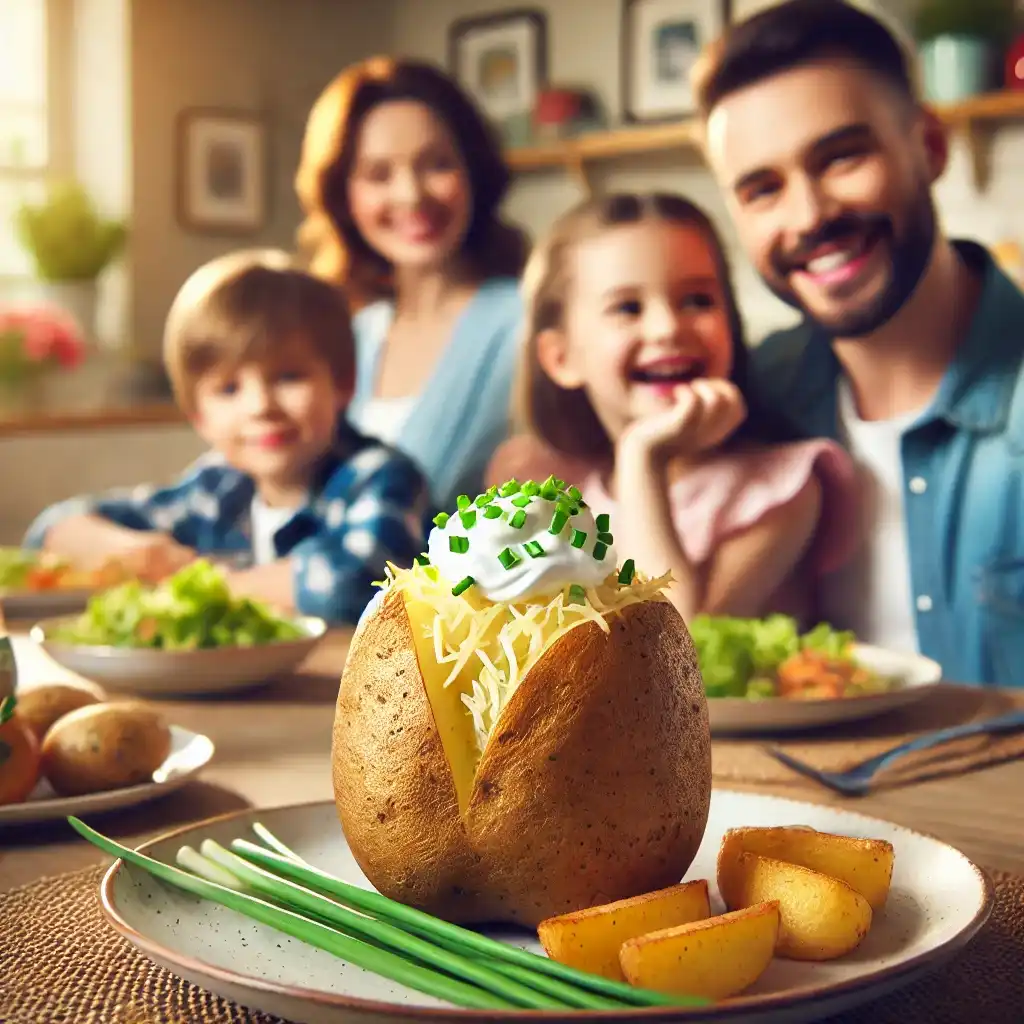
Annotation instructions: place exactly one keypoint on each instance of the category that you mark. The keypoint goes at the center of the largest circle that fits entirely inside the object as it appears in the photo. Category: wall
(267, 56)
(584, 51)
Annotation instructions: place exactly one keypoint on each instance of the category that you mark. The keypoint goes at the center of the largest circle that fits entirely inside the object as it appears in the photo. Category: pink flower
(46, 334)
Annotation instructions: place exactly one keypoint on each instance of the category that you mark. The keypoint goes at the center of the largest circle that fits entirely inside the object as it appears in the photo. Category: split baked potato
(515, 760)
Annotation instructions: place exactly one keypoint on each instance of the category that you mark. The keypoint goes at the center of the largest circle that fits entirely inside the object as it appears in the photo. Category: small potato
(863, 864)
(41, 706)
(716, 958)
(590, 939)
(105, 746)
(822, 917)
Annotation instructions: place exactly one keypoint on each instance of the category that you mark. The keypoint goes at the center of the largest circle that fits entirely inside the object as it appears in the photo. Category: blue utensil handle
(1004, 723)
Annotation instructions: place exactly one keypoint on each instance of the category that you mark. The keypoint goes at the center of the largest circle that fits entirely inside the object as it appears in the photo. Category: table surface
(273, 748)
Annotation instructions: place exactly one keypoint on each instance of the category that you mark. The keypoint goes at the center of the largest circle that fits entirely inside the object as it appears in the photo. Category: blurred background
(140, 138)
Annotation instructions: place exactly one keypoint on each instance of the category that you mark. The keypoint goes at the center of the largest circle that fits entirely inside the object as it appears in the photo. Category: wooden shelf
(975, 119)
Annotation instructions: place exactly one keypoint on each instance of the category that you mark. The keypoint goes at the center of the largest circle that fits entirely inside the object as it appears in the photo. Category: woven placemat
(746, 761)
(61, 962)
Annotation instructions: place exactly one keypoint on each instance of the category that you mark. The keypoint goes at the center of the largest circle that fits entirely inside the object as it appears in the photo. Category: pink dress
(731, 492)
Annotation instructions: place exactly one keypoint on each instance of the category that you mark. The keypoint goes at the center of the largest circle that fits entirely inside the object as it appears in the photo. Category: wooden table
(273, 748)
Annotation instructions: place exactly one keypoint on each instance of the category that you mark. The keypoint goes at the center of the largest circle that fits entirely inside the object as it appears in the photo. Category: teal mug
(954, 68)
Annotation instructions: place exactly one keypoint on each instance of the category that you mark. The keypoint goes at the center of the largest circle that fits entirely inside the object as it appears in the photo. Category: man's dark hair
(794, 33)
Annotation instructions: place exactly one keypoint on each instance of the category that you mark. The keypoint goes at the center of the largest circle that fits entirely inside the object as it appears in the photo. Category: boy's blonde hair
(248, 306)
(564, 419)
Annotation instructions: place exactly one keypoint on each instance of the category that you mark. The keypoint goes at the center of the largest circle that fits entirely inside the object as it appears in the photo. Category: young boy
(261, 358)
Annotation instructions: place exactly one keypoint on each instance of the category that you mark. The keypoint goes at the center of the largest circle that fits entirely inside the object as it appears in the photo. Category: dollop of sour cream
(535, 543)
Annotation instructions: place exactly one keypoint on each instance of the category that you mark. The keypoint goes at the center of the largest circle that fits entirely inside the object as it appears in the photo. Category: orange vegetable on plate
(19, 755)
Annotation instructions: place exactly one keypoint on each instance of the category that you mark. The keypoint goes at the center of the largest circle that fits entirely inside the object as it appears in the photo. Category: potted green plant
(961, 43)
(71, 244)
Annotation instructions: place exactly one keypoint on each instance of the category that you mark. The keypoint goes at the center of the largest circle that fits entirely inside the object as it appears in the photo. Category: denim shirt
(463, 411)
(963, 471)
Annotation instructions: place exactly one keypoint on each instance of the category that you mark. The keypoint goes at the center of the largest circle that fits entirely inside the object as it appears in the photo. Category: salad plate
(186, 635)
(163, 672)
(912, 678)
(938, 902)
(190, 753)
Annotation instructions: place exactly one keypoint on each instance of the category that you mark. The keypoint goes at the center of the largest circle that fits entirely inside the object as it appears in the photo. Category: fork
(856, 781)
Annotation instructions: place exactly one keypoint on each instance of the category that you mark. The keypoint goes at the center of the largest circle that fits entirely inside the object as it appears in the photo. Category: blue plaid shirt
(369, 506)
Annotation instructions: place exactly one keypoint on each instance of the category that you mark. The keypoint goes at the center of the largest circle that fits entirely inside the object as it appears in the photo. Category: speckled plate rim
(738, 1007)
(315, 629)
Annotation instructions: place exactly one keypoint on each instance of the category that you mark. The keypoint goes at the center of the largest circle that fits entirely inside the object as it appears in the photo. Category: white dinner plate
(918, 676)
(190, 753)
(149, 672)
(938, 901)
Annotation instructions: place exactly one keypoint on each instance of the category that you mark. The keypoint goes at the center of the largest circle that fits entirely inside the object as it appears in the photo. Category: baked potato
(528, 743)
(41, 706)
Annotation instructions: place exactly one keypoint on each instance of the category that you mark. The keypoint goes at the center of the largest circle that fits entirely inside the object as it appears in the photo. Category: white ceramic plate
(190, 753)
(918, 675)
(939, 900)
(154, 673)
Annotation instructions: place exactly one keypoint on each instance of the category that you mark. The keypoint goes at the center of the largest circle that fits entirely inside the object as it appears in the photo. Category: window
(26, 119)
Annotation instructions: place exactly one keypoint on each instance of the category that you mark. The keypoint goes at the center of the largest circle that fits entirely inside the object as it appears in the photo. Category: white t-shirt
(385, 418)
(266, 521)
(872, 594)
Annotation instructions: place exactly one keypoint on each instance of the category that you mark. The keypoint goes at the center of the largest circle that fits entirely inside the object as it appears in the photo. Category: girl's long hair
(328, 237)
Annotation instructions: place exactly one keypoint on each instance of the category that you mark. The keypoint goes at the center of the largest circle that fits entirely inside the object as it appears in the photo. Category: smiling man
(911, 350)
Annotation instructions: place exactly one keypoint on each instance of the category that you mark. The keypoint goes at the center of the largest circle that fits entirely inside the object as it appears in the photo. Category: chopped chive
(627, 573)
(577, 595)
(422, 560)
(522, 500)
(508, 488)
(574, 493)
(518, 521)
(468, 519)
(462, 586)
(574, 510)
(548, 493)
(531, 488)
(508, 558)
(606, 538)
(560, 484)
(604, 523)
(558, 521)
(458, 545)
(493, 512)
(600, 550)
(441, 520)
(534, 548)
(483, 500)
(463, 502)
(578, 538)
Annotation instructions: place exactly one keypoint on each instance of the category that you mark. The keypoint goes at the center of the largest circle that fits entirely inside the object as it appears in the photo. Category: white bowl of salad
(188, 635)
(766, 676)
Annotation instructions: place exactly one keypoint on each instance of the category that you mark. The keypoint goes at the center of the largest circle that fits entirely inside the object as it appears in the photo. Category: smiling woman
(401, 180)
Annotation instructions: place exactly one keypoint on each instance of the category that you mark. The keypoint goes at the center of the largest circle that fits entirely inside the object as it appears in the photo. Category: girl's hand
(154, 557)
(703, 415)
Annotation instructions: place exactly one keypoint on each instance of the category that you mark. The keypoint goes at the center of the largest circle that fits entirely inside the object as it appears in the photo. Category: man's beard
(909, 258)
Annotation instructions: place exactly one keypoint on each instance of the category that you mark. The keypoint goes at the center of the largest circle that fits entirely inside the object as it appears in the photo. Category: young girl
(635, 367)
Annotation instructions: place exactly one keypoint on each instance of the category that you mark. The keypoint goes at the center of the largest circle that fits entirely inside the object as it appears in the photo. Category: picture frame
(661, 40)
(501, 60)
(221, 171)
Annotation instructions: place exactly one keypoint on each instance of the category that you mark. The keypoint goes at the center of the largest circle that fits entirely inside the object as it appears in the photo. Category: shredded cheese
(492, 647)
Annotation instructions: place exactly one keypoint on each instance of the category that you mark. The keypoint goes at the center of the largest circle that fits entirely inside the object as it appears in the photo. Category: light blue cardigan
(463, 412)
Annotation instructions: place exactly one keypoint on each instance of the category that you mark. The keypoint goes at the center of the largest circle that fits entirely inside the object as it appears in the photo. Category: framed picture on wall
(501, 60)
(661, 41)
(222, 172)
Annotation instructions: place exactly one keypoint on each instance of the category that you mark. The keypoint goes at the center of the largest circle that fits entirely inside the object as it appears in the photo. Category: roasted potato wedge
(863, 864)
(715, 958)
(822, 917)
(590, 939)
